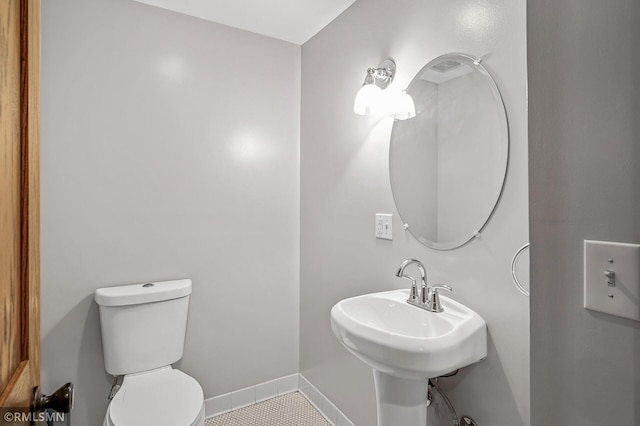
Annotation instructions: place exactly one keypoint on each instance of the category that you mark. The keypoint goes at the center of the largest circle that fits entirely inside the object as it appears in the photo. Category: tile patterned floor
(287, 410)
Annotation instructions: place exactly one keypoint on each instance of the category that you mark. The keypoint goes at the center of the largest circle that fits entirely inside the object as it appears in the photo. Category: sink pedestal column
(400, 401)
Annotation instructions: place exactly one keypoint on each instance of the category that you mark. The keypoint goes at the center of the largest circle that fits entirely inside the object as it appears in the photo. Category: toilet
(143, 329)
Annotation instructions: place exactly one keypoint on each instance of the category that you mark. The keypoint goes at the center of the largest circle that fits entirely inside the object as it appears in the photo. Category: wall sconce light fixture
(371, 99)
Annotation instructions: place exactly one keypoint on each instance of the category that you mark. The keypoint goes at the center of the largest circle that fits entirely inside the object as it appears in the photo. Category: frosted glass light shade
(366, 97)
(404, 106)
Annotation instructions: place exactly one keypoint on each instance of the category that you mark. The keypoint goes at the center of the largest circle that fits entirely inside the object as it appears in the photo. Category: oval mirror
(448, 163)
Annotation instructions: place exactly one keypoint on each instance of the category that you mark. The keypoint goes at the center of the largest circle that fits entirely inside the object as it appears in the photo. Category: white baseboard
(329, 411)
(253, 394)
(248, 396)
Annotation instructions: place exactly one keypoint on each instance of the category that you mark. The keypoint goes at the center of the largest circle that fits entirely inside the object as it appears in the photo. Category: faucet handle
(434, 304)
(413, 296)
(442, 286)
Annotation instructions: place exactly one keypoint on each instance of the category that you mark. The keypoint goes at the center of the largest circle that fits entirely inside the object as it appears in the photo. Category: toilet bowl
(162, 397)
(143, 329)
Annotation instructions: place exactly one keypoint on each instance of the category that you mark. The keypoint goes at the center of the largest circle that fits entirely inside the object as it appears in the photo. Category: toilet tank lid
(136, 294)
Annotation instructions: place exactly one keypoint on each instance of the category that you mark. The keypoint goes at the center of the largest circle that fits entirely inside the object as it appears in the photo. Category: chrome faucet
(428, 297)
(413, 297)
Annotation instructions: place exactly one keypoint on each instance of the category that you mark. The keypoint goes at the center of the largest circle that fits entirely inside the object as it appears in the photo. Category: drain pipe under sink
(466, 420)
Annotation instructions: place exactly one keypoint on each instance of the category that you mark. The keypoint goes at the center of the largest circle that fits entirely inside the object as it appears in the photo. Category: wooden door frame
(19, 390)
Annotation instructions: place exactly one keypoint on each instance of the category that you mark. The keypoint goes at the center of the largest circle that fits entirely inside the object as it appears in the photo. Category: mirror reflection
(448, 163)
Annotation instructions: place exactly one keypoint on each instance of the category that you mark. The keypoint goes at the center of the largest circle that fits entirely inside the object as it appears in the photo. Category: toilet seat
(162, 397)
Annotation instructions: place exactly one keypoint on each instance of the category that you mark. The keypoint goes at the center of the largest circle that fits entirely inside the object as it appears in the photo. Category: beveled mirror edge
(477, 61)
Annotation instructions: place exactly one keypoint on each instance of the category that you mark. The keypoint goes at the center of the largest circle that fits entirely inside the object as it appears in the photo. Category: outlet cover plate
(622, 298)
(384, 226)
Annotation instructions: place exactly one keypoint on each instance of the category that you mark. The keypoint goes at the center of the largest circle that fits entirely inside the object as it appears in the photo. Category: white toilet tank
(143, 325)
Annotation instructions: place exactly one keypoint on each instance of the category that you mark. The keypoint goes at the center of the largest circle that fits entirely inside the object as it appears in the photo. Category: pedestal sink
(407, 345)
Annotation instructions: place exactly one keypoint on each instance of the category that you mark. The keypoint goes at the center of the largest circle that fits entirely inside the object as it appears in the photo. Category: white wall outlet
(612, 278)
(384, 226)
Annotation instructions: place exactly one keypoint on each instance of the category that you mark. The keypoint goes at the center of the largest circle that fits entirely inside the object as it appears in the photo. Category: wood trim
(16, 378)
(27, 375)
(11, 285)
(24, 178)
(33, 185)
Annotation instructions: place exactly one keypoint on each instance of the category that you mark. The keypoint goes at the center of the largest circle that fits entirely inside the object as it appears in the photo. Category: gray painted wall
(166, 154)
(345, 181)
(584, 163)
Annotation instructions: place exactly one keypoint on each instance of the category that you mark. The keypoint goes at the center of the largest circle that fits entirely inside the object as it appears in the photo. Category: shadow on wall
(476, 375)
(85, 368)
(635, 85)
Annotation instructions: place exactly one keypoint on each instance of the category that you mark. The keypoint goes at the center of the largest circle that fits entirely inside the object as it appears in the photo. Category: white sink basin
(405, 341)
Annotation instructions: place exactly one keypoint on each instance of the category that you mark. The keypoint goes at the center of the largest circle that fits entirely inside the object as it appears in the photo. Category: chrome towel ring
(514, 276)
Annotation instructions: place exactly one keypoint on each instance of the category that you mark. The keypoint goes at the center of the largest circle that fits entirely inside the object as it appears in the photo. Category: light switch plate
(384, 226)
(612, 278)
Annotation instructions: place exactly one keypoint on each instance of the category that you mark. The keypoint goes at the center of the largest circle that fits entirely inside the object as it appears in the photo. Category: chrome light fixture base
(383, 75)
